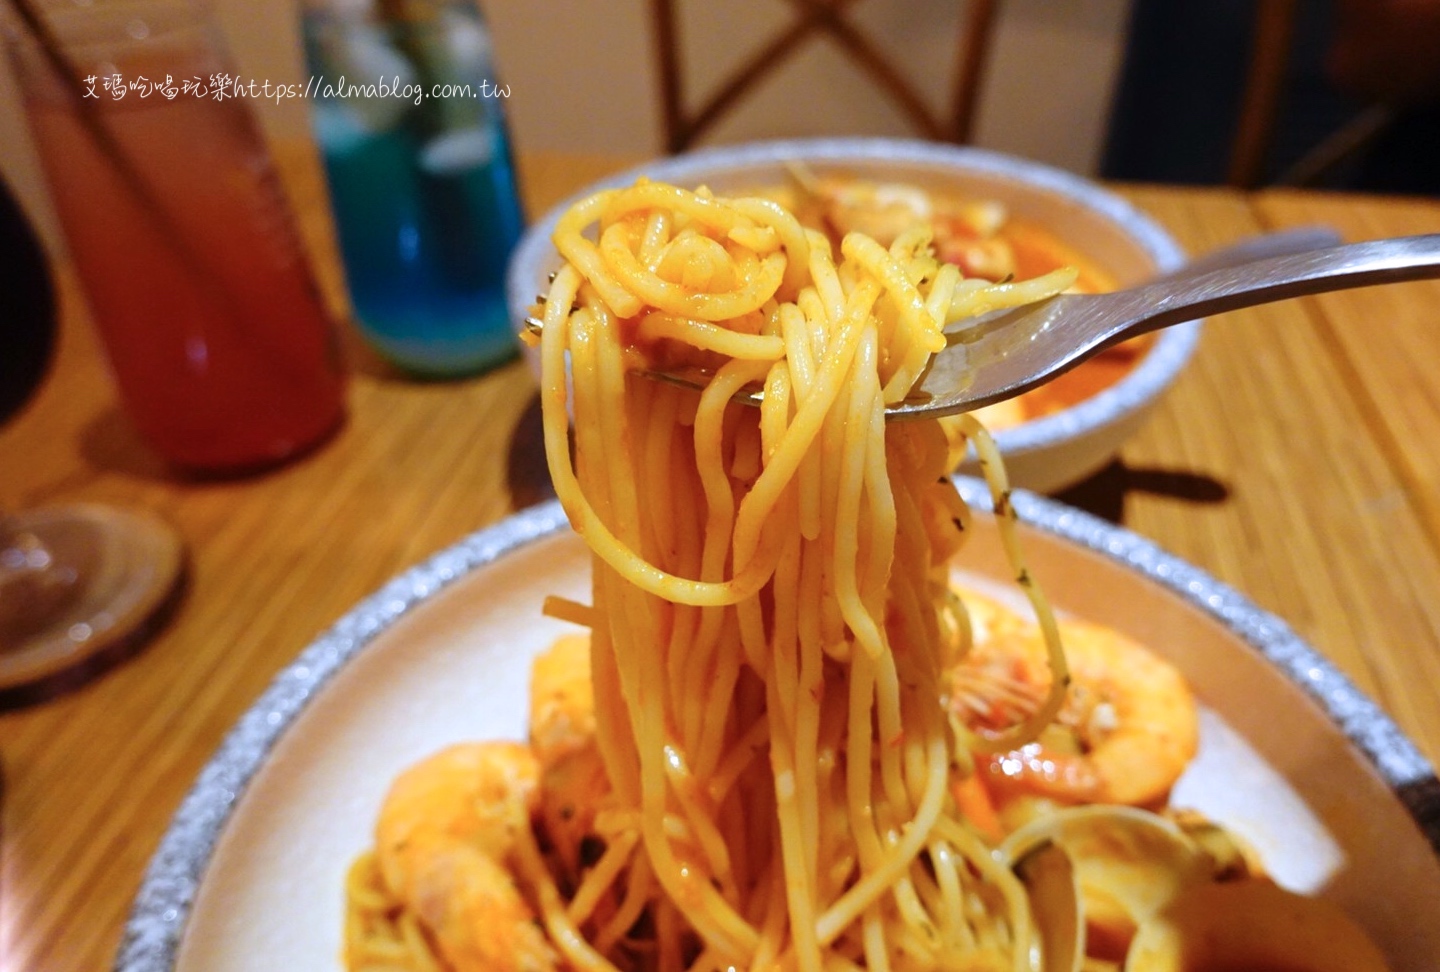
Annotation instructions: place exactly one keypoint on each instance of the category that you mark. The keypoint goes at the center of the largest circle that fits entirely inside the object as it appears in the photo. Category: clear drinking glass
(220, 342)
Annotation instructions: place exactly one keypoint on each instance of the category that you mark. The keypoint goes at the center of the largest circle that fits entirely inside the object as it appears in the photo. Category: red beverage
(217, 335)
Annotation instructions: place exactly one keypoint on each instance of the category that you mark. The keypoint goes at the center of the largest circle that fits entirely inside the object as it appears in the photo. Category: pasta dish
(987, 242)
(781, 738)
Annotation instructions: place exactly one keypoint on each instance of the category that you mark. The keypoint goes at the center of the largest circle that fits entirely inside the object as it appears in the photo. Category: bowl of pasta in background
(1051, 438)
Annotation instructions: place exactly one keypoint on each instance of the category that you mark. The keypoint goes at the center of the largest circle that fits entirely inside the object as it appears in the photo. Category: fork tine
(534, 324)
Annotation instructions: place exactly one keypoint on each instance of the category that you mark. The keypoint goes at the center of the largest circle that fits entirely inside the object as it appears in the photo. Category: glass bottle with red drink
(218, 338)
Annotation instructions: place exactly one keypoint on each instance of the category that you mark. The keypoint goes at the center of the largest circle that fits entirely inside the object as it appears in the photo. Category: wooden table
(1297, 459)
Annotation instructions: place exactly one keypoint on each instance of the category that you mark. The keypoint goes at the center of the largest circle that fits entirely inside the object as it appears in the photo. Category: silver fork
(999, 355)
(1002, 354)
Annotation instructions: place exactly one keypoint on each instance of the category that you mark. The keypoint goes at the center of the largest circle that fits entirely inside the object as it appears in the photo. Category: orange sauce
(1037, 251)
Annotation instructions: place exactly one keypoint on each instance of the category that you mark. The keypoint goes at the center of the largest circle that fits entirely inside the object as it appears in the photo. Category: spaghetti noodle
(774, 575)
(749, 763)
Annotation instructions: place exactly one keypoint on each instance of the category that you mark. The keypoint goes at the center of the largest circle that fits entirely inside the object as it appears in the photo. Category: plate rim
(162, 905)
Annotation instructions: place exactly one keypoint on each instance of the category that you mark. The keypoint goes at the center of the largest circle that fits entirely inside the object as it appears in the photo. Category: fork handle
(1188, 296)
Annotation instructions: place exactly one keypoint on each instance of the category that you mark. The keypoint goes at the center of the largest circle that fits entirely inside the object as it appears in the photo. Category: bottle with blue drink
(410, 122)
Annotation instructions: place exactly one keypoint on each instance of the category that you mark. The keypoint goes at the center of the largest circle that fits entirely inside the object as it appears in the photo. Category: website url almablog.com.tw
(221, 86)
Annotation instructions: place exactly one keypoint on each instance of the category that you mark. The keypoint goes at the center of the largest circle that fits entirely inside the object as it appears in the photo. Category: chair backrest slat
(1264, 84)
(815, 18)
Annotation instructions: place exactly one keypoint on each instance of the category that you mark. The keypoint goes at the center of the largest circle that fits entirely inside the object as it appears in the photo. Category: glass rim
(107, 31)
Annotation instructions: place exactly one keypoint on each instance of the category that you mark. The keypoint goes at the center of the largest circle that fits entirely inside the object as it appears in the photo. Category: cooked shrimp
(573, 782)
(991, 258)
(562, 700)
(444, 833)
(881, 211)
(965, 233)
(990, 621)
(1125, 734)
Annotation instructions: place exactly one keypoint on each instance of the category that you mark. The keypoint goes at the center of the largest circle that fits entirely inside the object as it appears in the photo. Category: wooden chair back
(1271, 39)
(816, 19)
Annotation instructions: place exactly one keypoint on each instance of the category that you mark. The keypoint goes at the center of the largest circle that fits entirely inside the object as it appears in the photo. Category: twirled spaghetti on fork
(775, 576)
(749, 761)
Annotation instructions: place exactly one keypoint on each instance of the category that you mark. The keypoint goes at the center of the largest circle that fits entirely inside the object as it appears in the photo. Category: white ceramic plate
(1044, 454)
(250, 875)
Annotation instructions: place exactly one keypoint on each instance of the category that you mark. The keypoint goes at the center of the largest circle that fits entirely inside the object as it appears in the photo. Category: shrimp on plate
(442, 841)
(449, 826)
(1126, 732)
(573, 783)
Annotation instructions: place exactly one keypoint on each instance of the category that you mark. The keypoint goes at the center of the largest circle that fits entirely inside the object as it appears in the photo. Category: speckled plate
(250, 874)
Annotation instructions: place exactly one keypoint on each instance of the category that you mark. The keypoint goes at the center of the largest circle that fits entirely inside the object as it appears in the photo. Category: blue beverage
(423, 188)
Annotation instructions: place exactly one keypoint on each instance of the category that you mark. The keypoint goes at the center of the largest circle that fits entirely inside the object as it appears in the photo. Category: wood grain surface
(1294, 460)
